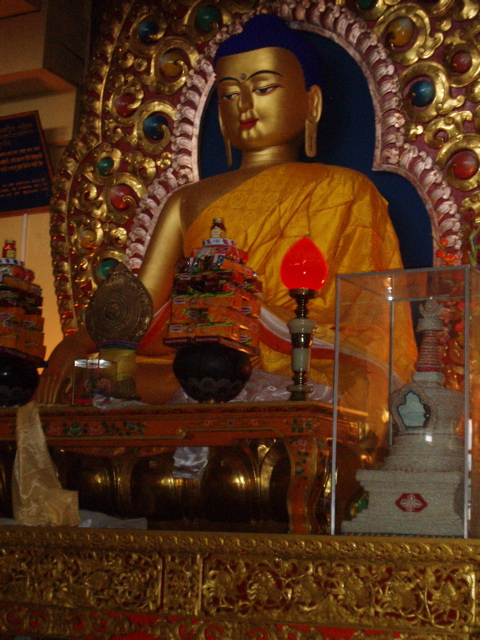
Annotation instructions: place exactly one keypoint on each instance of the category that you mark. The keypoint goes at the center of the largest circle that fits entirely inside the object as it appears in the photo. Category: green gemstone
(105, 267)
(105, 165)
(206, 17)
(364, 5)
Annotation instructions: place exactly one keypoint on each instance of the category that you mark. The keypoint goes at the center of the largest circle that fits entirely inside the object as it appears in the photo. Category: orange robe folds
(340, 210)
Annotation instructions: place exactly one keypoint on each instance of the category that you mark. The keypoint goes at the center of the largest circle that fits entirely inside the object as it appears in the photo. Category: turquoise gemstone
(105, 165)
(206, 16)
(105, 267)
(153, 126)
(422, 93)
(147, 30)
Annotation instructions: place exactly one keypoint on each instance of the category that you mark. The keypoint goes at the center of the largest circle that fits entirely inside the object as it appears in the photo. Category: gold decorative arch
(151, 76)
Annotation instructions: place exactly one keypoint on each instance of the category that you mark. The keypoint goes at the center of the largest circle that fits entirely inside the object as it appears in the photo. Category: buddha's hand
(55, 384)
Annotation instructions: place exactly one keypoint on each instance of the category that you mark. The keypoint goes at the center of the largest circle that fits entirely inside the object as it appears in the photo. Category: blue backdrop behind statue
(346, 137)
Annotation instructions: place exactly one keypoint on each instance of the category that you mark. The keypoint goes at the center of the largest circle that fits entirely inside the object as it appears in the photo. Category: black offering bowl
(18, 377)
(212, 372)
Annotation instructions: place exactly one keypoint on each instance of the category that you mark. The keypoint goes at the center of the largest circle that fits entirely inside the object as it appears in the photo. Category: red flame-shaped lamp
(303, 271)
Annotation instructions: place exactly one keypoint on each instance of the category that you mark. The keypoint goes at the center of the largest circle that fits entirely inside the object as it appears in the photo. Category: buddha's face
(262, 98)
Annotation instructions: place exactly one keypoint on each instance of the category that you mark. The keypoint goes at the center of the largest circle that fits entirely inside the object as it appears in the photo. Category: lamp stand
(301, 331)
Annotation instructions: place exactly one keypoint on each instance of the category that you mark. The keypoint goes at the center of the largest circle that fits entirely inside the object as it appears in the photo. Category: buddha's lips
(248, 124)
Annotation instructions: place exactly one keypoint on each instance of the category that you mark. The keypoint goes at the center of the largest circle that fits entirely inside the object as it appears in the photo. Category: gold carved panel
(96, 582)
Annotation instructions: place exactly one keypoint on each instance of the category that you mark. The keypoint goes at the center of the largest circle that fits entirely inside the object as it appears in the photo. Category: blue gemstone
(422, 93)
(206, 16)
(153, 126)
(147, 30)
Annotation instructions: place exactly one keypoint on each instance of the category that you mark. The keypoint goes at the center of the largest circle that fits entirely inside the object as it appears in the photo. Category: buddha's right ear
(228, 146)
(315, 107)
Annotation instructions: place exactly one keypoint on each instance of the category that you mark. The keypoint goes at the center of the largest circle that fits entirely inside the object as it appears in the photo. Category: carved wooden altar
(130, 437)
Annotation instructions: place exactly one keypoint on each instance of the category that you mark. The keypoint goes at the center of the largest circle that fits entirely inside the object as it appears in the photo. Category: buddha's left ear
(315, 107)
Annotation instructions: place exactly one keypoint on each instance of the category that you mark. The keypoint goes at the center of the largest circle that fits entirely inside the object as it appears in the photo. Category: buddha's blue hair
(268, 30)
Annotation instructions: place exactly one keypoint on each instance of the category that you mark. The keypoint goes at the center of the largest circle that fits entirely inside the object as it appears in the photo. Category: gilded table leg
(308, 467)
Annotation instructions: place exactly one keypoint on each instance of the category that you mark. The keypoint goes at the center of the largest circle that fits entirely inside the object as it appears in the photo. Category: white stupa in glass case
(407, 360)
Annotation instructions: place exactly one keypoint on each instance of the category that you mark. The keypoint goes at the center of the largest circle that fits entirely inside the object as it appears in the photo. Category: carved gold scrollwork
(141, 166)
(108, 154)
(88, 235)
(443, 101)
(197, 31)
(444, 129)
(141, 138)
(147, 31)
(120, 216)
(423, 46)
(439, 7)
(412, 131)
(465, 10)
(122, 86)
(171, 64)
(470, 142)
(378, 8)
(463, 44)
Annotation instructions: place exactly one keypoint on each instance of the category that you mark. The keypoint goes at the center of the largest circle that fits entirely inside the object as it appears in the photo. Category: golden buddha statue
(269, 105)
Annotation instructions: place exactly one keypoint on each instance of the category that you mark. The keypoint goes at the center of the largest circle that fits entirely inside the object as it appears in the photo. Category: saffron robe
(341, 211)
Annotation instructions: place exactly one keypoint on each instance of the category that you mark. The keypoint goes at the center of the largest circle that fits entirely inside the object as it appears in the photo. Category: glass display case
(406, 356)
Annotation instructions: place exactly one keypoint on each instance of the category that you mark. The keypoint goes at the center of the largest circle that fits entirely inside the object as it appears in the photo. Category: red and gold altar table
(305, 428)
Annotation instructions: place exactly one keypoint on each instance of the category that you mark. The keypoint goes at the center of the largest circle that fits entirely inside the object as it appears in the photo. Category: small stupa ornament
(416, 490)
(425, 407)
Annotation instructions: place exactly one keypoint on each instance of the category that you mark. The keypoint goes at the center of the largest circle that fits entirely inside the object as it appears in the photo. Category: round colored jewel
(123, 104)
(121, 196)
(169, 64)
(400, 31)
(147, 30)
(364, 5)
(105, 165)
(422, 93)
(461, 61)
(206, 17)
(464, 164)
(153, 126)
(105, 267)
(87, 237)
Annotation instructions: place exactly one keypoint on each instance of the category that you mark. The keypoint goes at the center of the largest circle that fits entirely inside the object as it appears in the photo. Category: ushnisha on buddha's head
(266, 88)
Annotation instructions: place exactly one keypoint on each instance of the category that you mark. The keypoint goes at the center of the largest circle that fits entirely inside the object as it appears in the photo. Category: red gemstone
(304, 266)
(122, 196)
(123, 104)
(464, 164)
(461, 61)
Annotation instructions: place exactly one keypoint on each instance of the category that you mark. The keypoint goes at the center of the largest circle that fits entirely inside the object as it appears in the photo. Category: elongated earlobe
(310, 139)
(315, 107)
(228, 151)
(226, 141)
